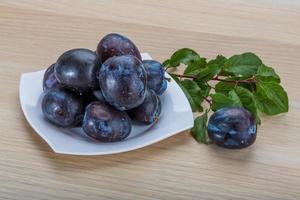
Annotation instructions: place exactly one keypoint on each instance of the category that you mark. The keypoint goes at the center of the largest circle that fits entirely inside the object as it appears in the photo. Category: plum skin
(106, 124)
(62, 108)
(115, 44)
(50, 81)
(98, 95)
(232, 128)
(149, 111)
(122, 80)
(155, 76)
(77, 69)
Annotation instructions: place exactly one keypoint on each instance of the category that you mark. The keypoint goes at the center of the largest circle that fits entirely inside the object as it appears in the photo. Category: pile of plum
(103, 91)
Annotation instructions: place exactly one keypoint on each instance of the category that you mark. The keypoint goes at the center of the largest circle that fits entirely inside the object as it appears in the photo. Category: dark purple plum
(50, 81)
(115, 44)
(98, 95)
(77, 69)
(105, 123)
(62, 108)
(155, 76)
(123, 82)
(232, 128)
(148, 112)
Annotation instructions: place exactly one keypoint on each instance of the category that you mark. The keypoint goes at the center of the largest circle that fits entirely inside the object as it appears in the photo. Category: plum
(62, 108)
(232, 127)
(122, 81)
(115, 44)
(148, 112)
(98, 95)
(156, 80)
(77, 69)
(104, 123)
(50, 81)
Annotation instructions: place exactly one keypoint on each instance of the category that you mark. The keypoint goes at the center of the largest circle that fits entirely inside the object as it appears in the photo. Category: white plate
(176, 117)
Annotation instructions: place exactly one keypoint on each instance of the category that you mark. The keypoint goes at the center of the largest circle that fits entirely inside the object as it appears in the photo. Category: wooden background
(33, 33)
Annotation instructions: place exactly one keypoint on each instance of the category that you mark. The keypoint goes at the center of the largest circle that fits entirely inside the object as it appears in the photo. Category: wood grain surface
(33, 33)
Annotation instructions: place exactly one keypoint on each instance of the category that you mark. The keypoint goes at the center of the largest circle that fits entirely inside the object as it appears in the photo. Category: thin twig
(252, 80)
(207, 100)
(248, 81)
(184, 76)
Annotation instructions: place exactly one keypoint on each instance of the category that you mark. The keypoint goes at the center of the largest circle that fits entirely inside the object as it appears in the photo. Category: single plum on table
(115, 44)
(122, 81)
(232, 128)
(105, 123)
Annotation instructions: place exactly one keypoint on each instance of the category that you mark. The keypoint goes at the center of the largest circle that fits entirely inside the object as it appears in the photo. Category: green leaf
(193, 94)
(271, 98)
(219, 60)
(194, 67)
(224, 87)
(234, 97)
(245, 64)
(220, 100)
(166, 63)
(205, 88)
(183, 56)
(248, 101)
(267, 74)
(200, 128)
(208, 72)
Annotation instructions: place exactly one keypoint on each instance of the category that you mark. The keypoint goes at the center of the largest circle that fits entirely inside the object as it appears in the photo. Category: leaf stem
(185, 76)
(209, 101)
(248, 81)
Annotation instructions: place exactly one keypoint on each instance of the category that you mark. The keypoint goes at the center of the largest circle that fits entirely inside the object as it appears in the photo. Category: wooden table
(34, 33)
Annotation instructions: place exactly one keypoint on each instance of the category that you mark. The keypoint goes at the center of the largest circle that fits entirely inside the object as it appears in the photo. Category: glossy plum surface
(115, 44)
(232, 127)
(155, 76)
(98, 95)
(123, 82)
(104, 123)
(149, 111)
(77, 69)
(62, 108)
(49, 80)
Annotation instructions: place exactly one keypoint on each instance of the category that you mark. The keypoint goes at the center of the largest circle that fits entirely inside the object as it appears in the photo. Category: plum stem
(168, 79)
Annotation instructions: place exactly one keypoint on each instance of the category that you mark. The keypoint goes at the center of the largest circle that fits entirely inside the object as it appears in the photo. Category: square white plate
(176, 117)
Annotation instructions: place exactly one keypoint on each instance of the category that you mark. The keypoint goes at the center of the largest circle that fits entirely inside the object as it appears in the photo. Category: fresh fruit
(232, 127)
(123, 82)
(148, 112)
(62, 108)
(155, 76)
(106, 124)
(115, 44)
(98, 95)
(77, 69)
(50, 81)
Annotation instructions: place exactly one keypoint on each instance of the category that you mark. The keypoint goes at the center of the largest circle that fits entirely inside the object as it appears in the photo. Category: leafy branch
(241, 80)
